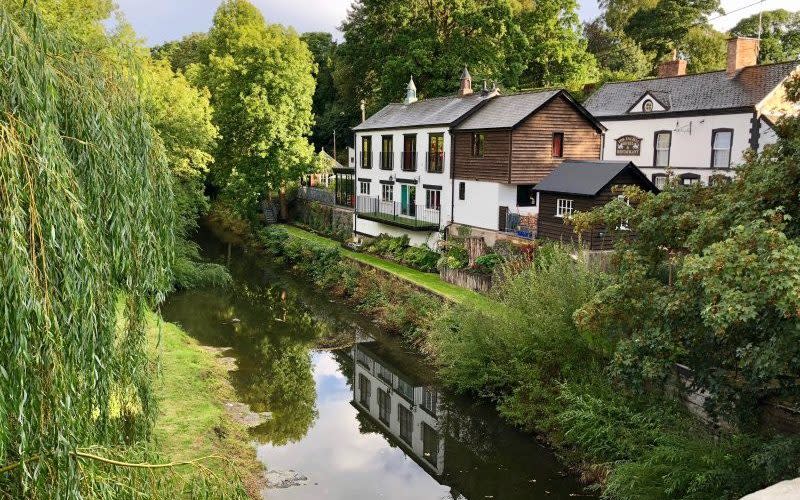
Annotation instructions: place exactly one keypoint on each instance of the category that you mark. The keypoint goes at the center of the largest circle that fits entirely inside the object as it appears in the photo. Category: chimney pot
(742, 52)
(675, 67)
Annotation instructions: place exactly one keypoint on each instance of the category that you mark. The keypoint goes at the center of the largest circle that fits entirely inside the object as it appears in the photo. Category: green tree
(712, 281)
(191, 49)
(323, 49)
(617, 54)
(662, 28)
(704, 49)
(262, 84)
(780, 36)
(87, 224)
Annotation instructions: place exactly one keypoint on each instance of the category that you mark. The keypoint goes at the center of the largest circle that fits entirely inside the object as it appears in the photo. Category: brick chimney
(674, 67)
(742, 52)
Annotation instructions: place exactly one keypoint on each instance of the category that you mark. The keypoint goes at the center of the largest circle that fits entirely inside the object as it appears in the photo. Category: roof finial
(411, 92)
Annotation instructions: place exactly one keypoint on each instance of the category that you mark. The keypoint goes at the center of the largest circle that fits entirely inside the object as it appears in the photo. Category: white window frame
(429, 195)
(364, 187)
(714, 149)
(564, 207)
(387, 192)
(656, 149)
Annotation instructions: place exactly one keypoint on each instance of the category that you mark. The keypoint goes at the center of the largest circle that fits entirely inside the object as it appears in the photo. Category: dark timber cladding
(585, 193)
(518, 131)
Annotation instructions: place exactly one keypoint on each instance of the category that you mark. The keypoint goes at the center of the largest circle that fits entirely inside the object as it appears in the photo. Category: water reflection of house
(401, 405)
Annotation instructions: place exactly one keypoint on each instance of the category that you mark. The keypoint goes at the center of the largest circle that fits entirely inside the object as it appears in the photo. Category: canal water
(359, 422)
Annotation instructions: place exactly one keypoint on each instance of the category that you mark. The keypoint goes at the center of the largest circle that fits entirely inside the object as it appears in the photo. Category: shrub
(420, 258)
(486, 263)
(456, 257)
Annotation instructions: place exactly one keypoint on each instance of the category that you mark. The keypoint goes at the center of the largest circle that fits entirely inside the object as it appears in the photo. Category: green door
(408, 200)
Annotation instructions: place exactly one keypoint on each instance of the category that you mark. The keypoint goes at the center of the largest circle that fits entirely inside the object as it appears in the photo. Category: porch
(405, 215)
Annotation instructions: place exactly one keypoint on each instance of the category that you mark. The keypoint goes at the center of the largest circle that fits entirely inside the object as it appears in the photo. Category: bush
(420, 258)
(485, 264)
(456, 257)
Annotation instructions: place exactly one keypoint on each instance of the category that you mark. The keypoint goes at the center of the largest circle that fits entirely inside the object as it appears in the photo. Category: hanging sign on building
(629, 145)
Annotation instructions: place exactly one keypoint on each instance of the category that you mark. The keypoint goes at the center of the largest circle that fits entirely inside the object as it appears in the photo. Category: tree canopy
(712, 281)
(87, 218)
(262, 84)
(780, 35)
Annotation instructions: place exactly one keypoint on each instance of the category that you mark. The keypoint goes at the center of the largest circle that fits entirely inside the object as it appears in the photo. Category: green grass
(428, 281)
(192, 387)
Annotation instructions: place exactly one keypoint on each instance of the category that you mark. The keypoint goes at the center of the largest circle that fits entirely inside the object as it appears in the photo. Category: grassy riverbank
(192, 388)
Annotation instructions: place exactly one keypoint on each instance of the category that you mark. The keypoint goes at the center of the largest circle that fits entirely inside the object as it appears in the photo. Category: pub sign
(629, 145)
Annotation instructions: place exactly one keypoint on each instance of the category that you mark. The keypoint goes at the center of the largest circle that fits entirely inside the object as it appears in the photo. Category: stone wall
(330, 220)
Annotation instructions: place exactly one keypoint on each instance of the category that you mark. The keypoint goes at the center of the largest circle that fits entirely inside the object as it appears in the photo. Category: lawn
(428, 281)
(192, 387)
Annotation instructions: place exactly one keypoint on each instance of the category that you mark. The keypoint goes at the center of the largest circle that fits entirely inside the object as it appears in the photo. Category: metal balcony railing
(396, 213)
(435, 162)
(387, 160)
(409, 161)
(366, 160)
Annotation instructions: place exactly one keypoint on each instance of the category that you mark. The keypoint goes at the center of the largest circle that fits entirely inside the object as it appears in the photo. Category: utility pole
(334, 144)
(760, 15)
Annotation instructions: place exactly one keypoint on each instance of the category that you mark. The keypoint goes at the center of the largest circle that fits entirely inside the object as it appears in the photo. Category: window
(526, 196)
(689, 179)
(405, 389)
(364, 391)
(721, 141)
(366, 152)
(647, 106)
(660, 180)
(383, 373)
(387, 154)
(433, 199)
(430, 443)
(663, 141)
(384, 406)
(558, 144)
(410, 153)
(406, 422)
(429, 399)
(462, 190)
(718, 180)
(563, 208)
(387, 192)
(436, 153)
(478, 140)
(364, 187)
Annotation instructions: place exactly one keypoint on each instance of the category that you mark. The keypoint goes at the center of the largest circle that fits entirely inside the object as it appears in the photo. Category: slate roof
(508, 111)
(698, 92)
(427, 112)
(586, 177)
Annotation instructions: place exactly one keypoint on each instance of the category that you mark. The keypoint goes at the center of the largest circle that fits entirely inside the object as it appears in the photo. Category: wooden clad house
(580, 186)
(508, 146)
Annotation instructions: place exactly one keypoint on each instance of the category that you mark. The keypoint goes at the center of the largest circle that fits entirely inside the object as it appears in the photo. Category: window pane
(662, 141)
(722, 140)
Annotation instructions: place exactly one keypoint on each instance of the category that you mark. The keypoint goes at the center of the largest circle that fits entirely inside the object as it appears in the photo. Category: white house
(403, 407)
(695, 126)
(403, 160)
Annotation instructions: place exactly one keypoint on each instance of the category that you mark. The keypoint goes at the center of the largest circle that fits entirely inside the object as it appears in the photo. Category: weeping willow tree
(86, 243)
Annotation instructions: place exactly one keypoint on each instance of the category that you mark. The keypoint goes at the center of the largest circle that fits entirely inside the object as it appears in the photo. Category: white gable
(643, 105)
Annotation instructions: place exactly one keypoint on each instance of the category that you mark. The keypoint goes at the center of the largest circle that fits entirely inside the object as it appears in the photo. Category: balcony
(387, 160)
(435, 162)
(366, 160)
(409, 161)
(395, 213)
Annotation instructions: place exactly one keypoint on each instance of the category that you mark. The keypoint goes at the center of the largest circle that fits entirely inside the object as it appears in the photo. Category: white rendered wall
(481, 206)
(375, 174)
(690, 150)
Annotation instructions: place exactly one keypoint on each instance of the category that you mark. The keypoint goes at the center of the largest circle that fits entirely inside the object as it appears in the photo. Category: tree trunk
(284, 204)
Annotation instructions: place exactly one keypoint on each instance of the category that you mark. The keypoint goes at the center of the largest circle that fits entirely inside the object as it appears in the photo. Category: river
(360, 422)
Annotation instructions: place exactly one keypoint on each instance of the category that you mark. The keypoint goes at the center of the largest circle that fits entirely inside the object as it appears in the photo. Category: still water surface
(361, 422)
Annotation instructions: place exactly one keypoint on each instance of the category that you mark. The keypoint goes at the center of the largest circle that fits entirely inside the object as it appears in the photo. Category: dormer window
(647, 106)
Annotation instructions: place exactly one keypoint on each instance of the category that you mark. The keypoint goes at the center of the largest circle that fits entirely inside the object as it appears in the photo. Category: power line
(736, 10)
